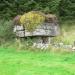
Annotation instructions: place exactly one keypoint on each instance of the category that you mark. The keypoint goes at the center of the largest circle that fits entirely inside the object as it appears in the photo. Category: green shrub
(32, 19)
(67, 8)
(6, 30)
(67, 32)
(10, 8)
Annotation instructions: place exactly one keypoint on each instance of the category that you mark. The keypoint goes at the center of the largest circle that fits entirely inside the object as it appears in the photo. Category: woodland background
(11, 8)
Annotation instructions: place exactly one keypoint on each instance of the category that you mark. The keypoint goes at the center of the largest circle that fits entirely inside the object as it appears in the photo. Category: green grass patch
(13, 62)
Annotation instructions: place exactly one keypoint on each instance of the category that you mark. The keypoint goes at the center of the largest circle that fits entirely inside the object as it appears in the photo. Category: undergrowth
(67, 32)
(67, 36)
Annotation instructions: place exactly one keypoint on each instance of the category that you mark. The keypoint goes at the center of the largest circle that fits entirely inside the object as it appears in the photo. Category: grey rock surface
(46, 29)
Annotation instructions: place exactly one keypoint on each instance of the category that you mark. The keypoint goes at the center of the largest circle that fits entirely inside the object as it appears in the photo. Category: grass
(13, 62)
(67, 32)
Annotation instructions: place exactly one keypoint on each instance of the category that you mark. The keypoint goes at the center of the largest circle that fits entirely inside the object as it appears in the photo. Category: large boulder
(49, 27)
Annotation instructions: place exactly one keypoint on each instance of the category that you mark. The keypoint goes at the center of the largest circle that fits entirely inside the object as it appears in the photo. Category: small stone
(61, 44)
(73, 48)
(34, 44)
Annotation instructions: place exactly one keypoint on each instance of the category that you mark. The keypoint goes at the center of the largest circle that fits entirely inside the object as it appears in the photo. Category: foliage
(16, 20)
(67, 33)
(10, 8)
(6, 30)
(32, 19)
(67, 8)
